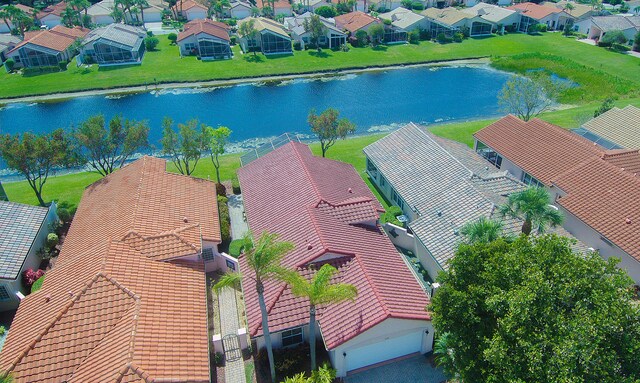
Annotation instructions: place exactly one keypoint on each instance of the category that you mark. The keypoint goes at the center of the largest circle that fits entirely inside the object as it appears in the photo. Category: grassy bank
(70, 187)
(166, 65)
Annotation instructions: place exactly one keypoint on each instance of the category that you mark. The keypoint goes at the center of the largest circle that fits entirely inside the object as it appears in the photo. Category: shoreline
(478, 61)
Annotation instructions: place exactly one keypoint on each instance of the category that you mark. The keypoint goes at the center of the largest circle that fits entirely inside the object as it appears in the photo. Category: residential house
(47, 47)
(579, 12)
(101, 12)
(451, 20)
(596, 27)
(596, 189)
(312, 5)
(207, 39)
(614, 129)
(533, 14)
(115, 44)
(405, 20)
(500, 17)
(51, 15)
(190, 10)
(333, 38)
(282, 7)
(239, 10)
(127, 298)
(7, 43)
(325, 209)
(23, 232)
(6, 27)
(384, 5)
(352, 22)
(272, 37)
(471, 3)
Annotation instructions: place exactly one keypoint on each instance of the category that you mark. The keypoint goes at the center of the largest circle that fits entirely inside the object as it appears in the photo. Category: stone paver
(417, 369)
(229, 323)
(239, 225)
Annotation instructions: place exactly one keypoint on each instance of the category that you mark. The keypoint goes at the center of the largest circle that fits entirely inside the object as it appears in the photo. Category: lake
(372, 100)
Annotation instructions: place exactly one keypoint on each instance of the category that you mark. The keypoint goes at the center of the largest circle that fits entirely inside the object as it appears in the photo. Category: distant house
(355, 21)
(597, 190)
(331, 219)
(7, 43)
(4, 28)
(498, 16)
(115, 44)
(598, 26)
(579, 12)
(334, 37)
(532, 14)
(239, 10)
(51, 15)
(47, 47)
(190, 10)
(471, 3)
(450, 20)
(23, 232)
(206, 39)
(615, 129)
(101, 12)
(405, 20)
(282, 7)
(272, 37)
(384, 5)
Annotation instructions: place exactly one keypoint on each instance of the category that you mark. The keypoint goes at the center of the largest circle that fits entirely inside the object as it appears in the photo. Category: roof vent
(185, 219)
(439, 213)
(350, 190)
(309, 246)
(70, 294)
(628, 221)
(47, 297)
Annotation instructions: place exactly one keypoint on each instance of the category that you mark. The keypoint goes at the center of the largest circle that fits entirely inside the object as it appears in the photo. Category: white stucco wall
(240, 13)
(195, 14)
(103, 19)
(51, 21)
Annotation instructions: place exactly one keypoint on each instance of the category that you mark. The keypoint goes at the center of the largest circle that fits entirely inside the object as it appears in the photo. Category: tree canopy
(316, 29)
(328, 127)
(533, 207)
(218, 139)
(186, 146)
(528, 97)
(534, 311)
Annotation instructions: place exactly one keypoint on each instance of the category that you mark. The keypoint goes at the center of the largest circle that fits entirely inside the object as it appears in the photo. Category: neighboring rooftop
(447, 16)
(185, 5)
(262, 23)
(209, 27)
(489, 12)
(327, 211)
(279, 4)
(54, 9)
(402, 17)
(121, 34)
(19, 226)
(578, 11)
(8, 41)
(354, 21)
(534, 11)
(119, 305)
(616, 22)
(58, 38)
(620, 126)
(296, 23)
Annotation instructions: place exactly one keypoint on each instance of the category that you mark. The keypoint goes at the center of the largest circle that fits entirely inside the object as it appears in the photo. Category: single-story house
(127, 298)
(598, 26)
(471, 3)
(23, 232)
(384, 5)
(191, 10)
(405, 20)
(282, 7)
(597, 190)
(6, 27)
(533, 14)
(51, 15)
(100, 12)
(615, 129)
(334, 37)
(47, 47)
(331, 218)
(272, 37)
(451, 20)
(206, 39)
(579, 11)
(352, 22)
(498, 16)
(115, 44)
(239, 10)
(7, 43)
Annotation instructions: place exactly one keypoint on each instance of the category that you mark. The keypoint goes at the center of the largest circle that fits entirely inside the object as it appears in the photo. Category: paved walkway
(417, 369)
(239, 225)
(229, 323)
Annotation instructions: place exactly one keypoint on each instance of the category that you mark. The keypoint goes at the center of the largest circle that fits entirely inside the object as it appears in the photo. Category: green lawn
(579, 62)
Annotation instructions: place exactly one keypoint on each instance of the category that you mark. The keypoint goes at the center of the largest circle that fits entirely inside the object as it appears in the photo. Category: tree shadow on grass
(380, 48)
(115, 67)
(321, 54)
(279, 56)
(251, 58)
(484, 37)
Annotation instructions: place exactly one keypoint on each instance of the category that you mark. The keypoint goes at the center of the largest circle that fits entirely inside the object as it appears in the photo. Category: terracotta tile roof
(279, 4)
(327, 211)
(210, 27)
(59, 38)
(354, 21)
(542, 149)
(55, 9)
(110, 311)
(188, 4)
(24, 8)
(534, 11)
(627, 160)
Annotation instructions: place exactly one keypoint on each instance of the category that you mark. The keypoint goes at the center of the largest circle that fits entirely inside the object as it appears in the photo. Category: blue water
(423, 95)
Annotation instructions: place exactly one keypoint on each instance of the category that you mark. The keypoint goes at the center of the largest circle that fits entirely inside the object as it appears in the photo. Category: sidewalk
(229, 323)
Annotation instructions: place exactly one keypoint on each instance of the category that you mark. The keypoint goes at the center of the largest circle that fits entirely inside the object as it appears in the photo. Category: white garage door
(385, 350)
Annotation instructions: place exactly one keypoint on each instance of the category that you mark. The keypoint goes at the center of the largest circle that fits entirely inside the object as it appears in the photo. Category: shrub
(425, 34)
(636, 42)
(343, 8)
(390, 216)
(231, 22)
(416, 5)
(225, 220)
(87, 59)
(151, 43)
(235, 184)
(620, 47)
(443, 39)
(29, 277)
(52, 241)
(235, 248)
(614, 36)
(297, 45)
(604, 44)
(149, 33)
(466, 32)
(541, 27)
(510, 28)
(37, 284)
(64, 215)
(221, 190)
(458, 37)
(233, 40)
(361, 38)
(326, 11)
(414, 36)
(63, 65)
(386, 21)
(3, 330)
(9, 65)
(173, 38)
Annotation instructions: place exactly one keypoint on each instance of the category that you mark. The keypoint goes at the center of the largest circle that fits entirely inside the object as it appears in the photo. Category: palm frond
(227, 280)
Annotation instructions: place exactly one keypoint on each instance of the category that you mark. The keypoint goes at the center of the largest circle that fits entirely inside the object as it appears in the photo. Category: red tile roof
(279, 4)
(327, 211)
(534, 11)
(354, 21)
(55, 9)
(188, 4)
(59, 38)
(24, 8)
(110, 310)
(210, 27)
(542, 149)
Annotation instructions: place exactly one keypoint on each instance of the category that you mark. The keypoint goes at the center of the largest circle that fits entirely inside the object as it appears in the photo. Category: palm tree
(141, 5)
(319, 291)
(248, 31)
(568, 7)
(5, 15)
(532, 206)
(444, 354)
(636, 10)
(482, 230)
(263, 259)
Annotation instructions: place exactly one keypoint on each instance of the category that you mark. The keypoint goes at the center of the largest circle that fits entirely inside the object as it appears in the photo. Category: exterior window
(489, 154)
(530, 181)
(371, 169)
(292, 337)
(4, 294)
(383, 181)
(397, 199)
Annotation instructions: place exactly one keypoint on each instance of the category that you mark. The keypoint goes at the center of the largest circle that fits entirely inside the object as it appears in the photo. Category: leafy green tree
(568, 27)
(533, 207)
(106, 150)
(614, 36)
(636, 40)
(185, 147)
(319, 291)
(9, 64)
(218, 140)
(328, 127)
(528, 97)
(37, 156)
(151, 42)
(264, 260)
(482, 230)
(6, 13)
(80, 6)
(316, 29)
(361, 37)
(173, 38)
(326, 11)
(534, 311)
(607, 104)
(248, 31)
(376, 34)
(324, 374)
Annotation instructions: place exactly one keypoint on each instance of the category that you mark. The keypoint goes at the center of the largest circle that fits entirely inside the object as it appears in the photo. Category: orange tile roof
(59, 38)
(354, 21)
(279, 4)
(534, 11)
(210, 27)
(188, 4)
(55, 9)
(24, 8)
(110, 310)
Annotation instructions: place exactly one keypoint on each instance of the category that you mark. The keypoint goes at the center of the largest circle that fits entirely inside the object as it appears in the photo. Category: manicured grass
(166, 65)
(37, 284)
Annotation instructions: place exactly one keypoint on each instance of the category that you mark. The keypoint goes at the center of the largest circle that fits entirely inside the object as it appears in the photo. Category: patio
(413, 369)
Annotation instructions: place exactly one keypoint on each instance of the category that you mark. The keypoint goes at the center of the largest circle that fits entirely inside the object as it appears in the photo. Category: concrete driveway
(415, 369)
(157, 29)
